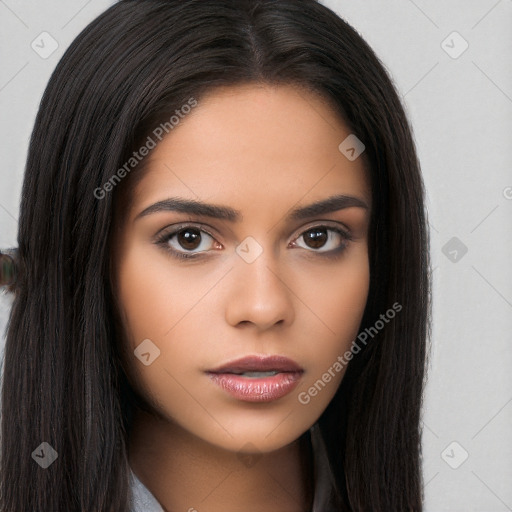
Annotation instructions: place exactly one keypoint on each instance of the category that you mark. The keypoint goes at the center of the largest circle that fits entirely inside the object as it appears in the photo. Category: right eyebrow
(192, 207)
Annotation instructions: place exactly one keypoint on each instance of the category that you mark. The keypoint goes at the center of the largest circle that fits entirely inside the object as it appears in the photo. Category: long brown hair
(128, 70)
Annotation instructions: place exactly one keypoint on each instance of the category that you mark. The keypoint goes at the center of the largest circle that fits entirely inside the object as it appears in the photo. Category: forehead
(253, 146)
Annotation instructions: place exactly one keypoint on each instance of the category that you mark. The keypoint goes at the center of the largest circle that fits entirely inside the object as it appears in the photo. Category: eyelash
(163, 241)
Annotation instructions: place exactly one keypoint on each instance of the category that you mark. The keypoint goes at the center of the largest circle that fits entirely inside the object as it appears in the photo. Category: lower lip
(265, 389)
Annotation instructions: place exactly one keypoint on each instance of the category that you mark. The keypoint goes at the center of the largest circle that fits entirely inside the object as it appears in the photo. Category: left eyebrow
(329, 205)
(193, 207)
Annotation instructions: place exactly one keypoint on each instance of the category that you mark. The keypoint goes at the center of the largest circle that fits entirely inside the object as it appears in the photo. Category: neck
(186, 473)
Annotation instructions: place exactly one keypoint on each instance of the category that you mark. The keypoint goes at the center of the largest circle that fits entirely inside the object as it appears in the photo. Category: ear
(8, 268)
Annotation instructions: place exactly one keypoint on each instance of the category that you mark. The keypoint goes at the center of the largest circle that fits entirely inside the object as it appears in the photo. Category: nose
(259, 294)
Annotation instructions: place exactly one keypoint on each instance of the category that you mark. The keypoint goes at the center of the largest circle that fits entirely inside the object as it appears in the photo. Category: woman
(222, 297)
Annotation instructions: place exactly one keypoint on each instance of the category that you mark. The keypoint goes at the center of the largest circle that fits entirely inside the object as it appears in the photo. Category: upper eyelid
(172, 230)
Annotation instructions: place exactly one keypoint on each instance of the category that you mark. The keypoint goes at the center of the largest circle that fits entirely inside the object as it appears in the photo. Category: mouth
(257, 378)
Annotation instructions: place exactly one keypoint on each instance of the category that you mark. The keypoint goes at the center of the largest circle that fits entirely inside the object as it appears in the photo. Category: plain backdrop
(451, 62)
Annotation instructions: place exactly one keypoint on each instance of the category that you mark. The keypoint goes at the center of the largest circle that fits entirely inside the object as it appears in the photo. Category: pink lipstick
(258, 378)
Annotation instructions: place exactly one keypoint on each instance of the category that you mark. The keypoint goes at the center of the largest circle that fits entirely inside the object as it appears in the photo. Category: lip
(257, 389)
(257, 363)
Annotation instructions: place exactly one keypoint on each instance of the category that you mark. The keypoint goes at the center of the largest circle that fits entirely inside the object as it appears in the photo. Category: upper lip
(257, 363)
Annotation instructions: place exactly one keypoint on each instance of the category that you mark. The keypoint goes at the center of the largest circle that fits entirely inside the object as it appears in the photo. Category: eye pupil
(318, 237)
(189, 238)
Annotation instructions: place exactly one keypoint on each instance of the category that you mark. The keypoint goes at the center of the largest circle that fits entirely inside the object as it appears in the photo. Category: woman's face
(256, 274)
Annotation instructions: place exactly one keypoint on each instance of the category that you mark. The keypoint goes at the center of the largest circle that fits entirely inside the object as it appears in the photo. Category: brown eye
(324, 237)
(189, 238)
(316, 238)
(186, 241)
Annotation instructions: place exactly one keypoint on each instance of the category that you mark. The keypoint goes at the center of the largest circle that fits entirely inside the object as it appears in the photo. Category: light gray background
(461, 111)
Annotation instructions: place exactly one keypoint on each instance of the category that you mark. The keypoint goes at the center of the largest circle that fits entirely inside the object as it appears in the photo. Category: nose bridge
(259, 294)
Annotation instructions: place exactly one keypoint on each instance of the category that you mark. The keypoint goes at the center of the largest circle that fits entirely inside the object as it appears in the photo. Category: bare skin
(264, 151)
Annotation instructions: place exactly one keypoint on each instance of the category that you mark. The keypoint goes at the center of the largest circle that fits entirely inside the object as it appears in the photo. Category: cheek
(338, 294)
(152, 301)
(165, 305)
(146, 300)
(344, 305)
(152, 298)
(338, 300)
